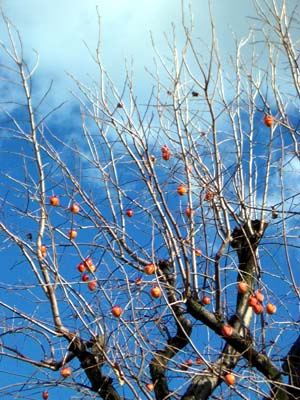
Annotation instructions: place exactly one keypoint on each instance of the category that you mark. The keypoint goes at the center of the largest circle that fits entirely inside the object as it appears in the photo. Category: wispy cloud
(57, 30)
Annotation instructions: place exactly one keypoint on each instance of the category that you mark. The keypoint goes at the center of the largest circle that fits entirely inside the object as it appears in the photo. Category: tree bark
(161, 358)
(99, 383)
(245, 239)
(291, 366)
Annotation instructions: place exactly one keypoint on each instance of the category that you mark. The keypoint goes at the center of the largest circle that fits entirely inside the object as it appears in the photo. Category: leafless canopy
(147, 249)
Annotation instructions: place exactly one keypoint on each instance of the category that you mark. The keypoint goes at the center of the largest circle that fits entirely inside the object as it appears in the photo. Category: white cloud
(58, 28)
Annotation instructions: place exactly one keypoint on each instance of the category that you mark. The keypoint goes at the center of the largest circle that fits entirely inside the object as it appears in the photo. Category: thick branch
(99, 383)
(242, 345)
(245, 239)
(161, 358)
(292, 367)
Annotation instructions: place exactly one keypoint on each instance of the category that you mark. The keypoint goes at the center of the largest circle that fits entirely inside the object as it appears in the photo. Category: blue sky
(58, 29)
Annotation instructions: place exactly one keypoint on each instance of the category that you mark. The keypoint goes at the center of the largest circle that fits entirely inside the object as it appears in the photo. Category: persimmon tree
(152, 250)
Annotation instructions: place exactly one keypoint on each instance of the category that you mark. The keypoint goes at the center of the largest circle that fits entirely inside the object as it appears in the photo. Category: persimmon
(165, 153)
(74, 208)
(155, 292)
(84, 277)
(150, 386)
(242, 287)
(150, 269)
(205, 300)
(166, 156)
(226, 330)
(81, 267)
(129, 213)
(199, 360)
(185, 366)
(43, 250)
(258, 308)
(138, 281)
(72, 234)
(230, 379)
(182, 190)
(92, 285)
(198, 252)
(116, 311)
(189, 212)
(45, 395)
(89, 264)
(88, 261)
(268, 120)
(252, 301)
(209, 195)
(259, 295)
(271, 308)
(54, 200)
(66, 372)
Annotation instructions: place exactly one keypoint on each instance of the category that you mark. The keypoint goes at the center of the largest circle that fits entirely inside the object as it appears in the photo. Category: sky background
(58, 29)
